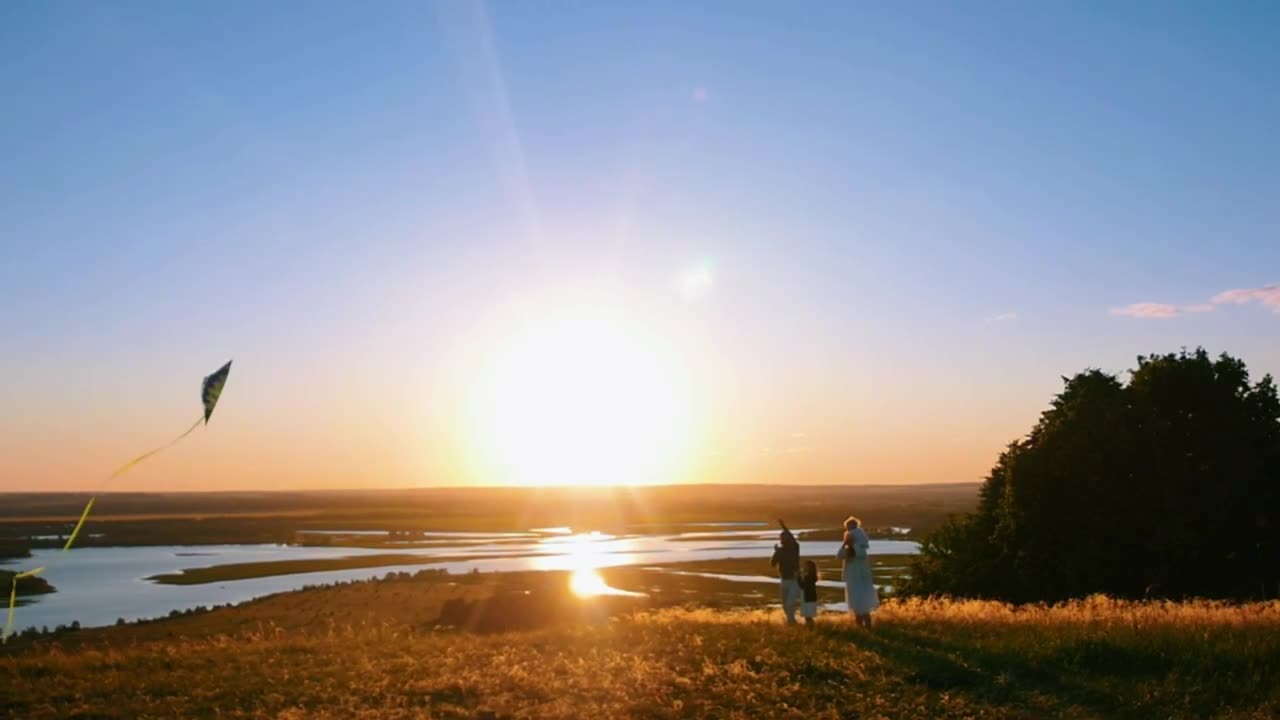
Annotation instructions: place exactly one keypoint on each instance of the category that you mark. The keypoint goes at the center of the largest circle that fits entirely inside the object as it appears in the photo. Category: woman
(859, 589)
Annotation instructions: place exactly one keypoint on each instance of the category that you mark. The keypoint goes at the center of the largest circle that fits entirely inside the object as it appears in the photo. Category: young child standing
(809, 585)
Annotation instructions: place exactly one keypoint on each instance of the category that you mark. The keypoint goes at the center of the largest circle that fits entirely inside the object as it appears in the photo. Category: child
(809, 584)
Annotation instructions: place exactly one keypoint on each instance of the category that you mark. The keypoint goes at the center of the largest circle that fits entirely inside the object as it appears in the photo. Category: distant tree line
(1167, 486)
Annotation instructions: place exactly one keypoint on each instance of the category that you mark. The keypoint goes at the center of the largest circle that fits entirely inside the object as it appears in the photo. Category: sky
(850, 242)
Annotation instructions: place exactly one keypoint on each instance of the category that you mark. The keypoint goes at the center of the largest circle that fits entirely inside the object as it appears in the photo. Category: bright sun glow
(581, 397)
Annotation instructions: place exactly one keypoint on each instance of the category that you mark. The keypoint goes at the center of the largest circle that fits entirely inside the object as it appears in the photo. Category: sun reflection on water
(583, 554)
(586, 582)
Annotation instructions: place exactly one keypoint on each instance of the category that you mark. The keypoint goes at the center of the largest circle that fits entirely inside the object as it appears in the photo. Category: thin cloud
(1148, 311)
(1002, 317)
(1268, 295)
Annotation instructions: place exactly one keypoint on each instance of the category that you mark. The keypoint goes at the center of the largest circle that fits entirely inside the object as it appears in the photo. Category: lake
(98, 585)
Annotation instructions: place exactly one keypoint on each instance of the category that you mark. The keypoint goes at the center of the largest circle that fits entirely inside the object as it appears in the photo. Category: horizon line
(486, 487)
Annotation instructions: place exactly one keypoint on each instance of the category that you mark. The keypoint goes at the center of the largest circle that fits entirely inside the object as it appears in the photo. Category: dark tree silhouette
(1166, 486)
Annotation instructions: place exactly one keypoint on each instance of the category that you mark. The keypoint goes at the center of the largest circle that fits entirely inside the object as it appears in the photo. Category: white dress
(859, 588)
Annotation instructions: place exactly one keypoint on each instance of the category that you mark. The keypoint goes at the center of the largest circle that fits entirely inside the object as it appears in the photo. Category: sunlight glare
(586, 582)
(583, 555)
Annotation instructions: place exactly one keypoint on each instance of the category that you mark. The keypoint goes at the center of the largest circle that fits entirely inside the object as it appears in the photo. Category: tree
(1168, 485)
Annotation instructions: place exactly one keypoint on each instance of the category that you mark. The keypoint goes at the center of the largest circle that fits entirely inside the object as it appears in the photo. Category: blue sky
(918, 217)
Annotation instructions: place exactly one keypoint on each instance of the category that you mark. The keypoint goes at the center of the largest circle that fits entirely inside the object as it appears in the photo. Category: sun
(581, 396)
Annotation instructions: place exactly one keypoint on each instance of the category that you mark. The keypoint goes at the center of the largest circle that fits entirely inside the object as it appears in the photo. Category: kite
(210, 391)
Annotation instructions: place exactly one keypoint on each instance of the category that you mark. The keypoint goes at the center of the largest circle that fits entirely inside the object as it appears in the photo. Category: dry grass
(376, 650)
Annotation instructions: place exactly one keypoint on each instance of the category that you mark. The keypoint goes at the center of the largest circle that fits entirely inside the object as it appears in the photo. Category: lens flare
(696, 280)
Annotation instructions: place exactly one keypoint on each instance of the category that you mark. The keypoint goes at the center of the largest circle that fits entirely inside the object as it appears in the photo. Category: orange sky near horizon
(808, 405)
(371, 427)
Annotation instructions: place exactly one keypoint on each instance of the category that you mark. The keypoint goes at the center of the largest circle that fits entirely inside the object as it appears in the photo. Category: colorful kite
(210, 390)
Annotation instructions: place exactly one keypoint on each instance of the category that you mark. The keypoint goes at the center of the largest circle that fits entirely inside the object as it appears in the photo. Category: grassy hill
(518, 645)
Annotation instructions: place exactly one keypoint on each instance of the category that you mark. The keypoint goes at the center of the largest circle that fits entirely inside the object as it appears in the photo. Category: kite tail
(13, 591)
(13, 601)
(83, 516)
(120, 471)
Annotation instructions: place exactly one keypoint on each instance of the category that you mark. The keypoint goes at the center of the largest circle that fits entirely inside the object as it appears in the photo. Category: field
(696, 643)
(518, 645)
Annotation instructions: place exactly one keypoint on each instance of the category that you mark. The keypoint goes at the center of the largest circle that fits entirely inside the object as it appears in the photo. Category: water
(382, 533)
(98, 585)
(727, 524)
(758, 579)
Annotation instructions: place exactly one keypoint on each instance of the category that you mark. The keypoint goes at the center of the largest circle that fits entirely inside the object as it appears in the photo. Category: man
(786, 557)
